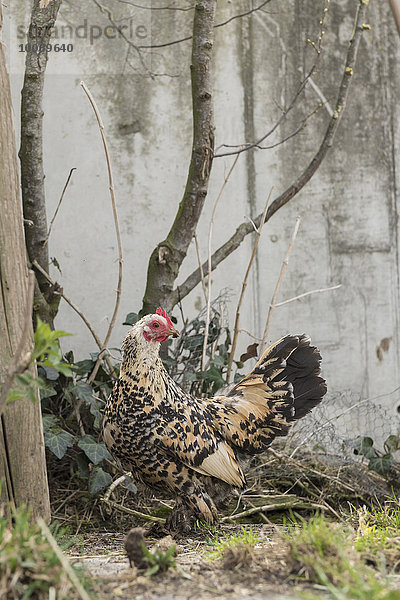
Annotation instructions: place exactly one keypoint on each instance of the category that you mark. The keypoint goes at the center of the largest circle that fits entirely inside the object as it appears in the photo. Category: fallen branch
(116, 484)
(131, 511)
(244, 285)
(291, 503)
(117, 230)
(278, 285)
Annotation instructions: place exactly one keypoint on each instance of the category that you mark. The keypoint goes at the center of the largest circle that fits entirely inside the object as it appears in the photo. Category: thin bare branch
(176, 8)
(115, 484)
(117, 230)
(210, 229)
(287, 502)
(245, 228)
(78, 312)
(278, 284)
(186, 39)
(244, 285)
(257, 143)
(131, 511)
(22, 357)
(328, 289)
(105, 9)
(58, 206)
(203, 281)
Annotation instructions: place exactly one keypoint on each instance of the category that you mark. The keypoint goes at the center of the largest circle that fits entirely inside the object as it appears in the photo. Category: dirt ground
(264, 574)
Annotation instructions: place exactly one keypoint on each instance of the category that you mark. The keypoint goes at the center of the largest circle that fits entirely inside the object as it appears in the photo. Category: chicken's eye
(155, 325)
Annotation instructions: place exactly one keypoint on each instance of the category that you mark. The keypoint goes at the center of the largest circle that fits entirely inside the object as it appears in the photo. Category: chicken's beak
(174, 332)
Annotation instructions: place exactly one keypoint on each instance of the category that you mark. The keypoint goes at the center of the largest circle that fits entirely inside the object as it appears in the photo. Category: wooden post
(22, 455)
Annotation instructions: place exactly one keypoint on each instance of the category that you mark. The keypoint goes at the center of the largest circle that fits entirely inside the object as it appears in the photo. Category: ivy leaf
(50, 373)
(95, 410)
(381, 464)
(83, 367)
(49, 421)
(131, 319)
(58, 441)
(84, 392)
(95, 451)
(364, 446)
(98, 480)
(83, 465)
(392, 443)
(129, 485)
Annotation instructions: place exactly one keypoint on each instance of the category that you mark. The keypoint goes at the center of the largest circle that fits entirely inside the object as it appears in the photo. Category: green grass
(29, 567)
(247, 538)
(337, 557)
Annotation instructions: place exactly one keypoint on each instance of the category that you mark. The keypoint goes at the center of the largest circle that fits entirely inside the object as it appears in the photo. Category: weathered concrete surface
(349, 230)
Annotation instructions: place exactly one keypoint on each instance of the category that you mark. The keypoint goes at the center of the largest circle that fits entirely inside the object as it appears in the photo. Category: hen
(174, 441)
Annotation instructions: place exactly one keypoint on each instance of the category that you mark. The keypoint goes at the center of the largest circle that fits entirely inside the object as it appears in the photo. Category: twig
(302, 466)
(245, 229)
(21, 360)
(115, 484)
(258, 142)
(78, 312)
(291, 503)
(58, 206)
(63, 560)
(203, 282)
(116, 223)
(210, 229)
(278, 284)
(136, 513)
(244, 285)
(186, 39)
(328, 289)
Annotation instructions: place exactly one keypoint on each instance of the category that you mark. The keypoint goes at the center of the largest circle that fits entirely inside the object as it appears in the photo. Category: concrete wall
(349, 229)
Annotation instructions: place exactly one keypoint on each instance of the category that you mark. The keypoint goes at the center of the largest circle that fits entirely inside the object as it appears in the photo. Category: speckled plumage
(174, 441)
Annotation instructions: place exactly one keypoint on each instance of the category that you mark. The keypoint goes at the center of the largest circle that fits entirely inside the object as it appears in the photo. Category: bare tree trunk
(22, 458)
(31, 153)
(168, 256)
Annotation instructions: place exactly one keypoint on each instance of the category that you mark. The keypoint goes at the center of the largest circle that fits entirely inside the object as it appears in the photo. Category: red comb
(163, 313)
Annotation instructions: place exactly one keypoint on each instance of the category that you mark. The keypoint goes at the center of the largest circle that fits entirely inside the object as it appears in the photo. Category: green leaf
(98, 480)
(84, 392)
(364, 446)
(129, 485)
(82, 462)
(95, 410)
(131, 319)
(392, 443)
(381, 464)
(152, 571)
(83, 367)
(49, 421)
(47, 392)
(95, 451)
(58, 441)
(50, 373)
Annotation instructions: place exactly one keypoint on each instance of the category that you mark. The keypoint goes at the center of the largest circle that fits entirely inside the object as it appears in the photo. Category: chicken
(175, 442)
